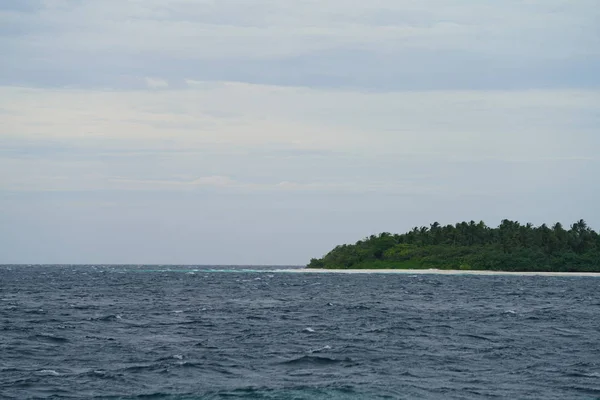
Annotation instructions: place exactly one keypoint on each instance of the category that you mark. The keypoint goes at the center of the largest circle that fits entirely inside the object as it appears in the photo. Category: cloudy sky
(268, 131)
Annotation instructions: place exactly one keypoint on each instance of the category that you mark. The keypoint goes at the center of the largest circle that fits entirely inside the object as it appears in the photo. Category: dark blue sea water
(154, 332)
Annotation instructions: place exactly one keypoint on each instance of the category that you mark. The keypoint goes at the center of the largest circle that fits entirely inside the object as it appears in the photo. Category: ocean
(172, 332)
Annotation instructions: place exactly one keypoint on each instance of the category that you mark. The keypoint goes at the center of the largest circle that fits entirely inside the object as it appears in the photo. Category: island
(465, 246)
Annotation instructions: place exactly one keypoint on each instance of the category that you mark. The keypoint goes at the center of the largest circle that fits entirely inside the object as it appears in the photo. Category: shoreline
(445, 272)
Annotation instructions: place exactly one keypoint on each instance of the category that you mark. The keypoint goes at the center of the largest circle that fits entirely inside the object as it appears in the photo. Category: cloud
(154, 184)
(286, 186)
(155, 83)
(380, 45)
(232, 137)
(241, 117)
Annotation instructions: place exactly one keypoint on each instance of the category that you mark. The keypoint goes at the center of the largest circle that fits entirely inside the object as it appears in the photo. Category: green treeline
(470, 245)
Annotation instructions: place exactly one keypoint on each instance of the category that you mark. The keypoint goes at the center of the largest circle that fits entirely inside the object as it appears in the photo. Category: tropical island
(474, 246)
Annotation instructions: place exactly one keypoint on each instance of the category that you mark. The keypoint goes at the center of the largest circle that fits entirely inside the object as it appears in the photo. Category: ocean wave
(374, 335)
(308, 360)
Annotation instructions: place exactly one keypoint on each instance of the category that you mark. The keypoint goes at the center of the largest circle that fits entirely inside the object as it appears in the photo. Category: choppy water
(147, 332)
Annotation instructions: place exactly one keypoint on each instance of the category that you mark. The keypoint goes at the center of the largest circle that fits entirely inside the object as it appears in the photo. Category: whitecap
(324, 348)
(49, 372)
(311, 330)
(178, 356)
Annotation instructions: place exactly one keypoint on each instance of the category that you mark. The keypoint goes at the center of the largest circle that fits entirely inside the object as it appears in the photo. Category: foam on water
(49, 372)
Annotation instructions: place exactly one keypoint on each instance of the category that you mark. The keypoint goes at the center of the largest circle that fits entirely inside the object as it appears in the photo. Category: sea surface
(167, 332)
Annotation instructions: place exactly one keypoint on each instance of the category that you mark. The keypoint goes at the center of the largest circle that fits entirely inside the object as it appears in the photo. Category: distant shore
(443, 272)
(471, 246)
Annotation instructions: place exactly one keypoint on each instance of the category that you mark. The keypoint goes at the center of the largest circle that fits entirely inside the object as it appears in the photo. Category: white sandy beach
(442, 272)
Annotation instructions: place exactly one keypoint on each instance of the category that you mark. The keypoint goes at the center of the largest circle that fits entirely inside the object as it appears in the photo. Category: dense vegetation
(509, 247)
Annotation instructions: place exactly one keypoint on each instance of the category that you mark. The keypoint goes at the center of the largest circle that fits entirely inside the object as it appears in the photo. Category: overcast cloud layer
(266, 132)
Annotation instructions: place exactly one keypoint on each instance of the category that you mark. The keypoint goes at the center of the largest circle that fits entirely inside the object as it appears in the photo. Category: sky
(269, 131)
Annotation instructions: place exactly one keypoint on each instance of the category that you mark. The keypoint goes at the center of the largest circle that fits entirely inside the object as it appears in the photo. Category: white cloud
(96, 182)
(457, 124)
(155, 184)
(235, 136)
(375, 44)
(268, 28)
(155, 83)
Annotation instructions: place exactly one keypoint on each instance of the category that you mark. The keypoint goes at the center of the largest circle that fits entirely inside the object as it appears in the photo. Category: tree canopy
(473, 245)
